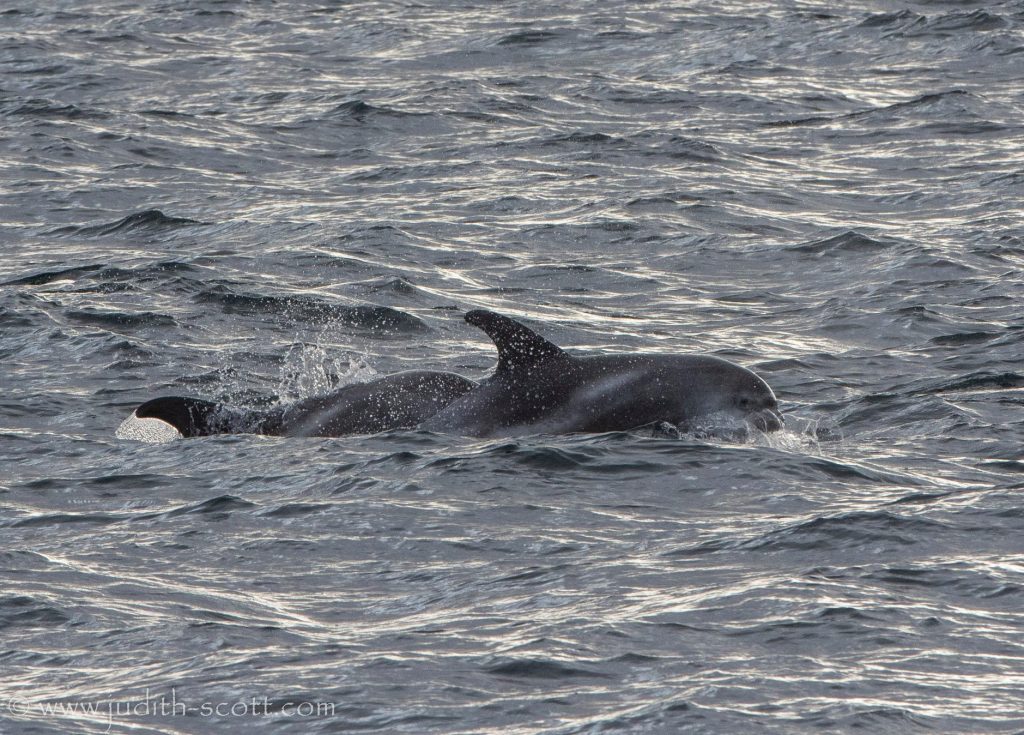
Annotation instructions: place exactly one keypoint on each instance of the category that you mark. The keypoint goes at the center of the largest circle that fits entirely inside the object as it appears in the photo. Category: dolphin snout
(769, 419)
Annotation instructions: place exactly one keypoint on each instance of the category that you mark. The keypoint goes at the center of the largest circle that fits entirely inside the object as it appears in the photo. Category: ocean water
(259, 201)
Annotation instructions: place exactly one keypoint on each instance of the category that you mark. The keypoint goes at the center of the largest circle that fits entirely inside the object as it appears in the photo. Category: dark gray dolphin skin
(538, 388)
(399, 401)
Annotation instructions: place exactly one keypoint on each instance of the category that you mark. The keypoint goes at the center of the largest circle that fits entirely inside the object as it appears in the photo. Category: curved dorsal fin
(519, 348)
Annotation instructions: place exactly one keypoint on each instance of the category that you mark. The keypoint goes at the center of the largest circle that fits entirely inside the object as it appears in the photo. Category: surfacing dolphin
(399, 401)
(539, 388)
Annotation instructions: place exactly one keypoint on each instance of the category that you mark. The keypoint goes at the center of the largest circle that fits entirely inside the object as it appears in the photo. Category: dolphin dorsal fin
(519, 347)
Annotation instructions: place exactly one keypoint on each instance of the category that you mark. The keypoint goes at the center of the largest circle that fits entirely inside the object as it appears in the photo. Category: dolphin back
(399, 401)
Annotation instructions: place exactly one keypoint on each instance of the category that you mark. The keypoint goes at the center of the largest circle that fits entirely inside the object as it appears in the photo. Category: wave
(537, 668)
(150, 220)
(21, 611)
(842, 532)
(304, 308)
(850, 241)
(120, 319)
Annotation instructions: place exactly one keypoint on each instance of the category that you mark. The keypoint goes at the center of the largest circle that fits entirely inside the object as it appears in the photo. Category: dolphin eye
(744, 402)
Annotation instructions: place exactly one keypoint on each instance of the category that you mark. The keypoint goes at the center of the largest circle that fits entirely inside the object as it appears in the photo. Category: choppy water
(257, 201)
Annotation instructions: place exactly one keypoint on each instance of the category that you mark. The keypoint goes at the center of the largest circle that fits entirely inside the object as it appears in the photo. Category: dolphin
(537, 387)
(399, 401)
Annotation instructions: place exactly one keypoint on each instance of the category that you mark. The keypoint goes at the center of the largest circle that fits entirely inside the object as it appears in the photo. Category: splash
(309, 370)
(799, 435)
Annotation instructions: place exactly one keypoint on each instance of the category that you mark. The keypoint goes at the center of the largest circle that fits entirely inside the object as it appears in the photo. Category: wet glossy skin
(537, 388)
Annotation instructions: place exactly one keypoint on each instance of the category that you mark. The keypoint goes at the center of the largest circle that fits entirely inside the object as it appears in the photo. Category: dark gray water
(256, 202)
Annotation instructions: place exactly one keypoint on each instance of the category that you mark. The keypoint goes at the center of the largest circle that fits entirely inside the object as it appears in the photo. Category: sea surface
(260, 201)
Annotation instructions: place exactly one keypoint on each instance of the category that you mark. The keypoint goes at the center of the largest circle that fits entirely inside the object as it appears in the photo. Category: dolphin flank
(537, 387)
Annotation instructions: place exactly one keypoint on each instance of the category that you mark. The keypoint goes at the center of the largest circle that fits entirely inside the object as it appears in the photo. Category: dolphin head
(724, 388)
(750, 397)
(760, 407)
